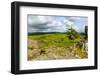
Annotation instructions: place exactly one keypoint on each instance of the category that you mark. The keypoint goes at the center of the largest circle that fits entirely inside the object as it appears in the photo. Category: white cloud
(32, 20)
(54, 23)
(75, 18)
(70, 24)
(44, 24)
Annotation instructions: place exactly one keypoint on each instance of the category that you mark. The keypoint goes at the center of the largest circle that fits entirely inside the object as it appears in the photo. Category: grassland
(54, 46)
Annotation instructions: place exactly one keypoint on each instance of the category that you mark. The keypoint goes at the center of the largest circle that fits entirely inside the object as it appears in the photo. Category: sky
(44, 23)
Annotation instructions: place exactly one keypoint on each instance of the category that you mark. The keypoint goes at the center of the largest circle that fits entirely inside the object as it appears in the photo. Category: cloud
(75, 18)
(79, 22)
(44, 24)
(70, 24)
(55, 23)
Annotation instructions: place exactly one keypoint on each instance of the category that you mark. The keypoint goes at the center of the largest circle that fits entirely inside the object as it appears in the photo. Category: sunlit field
(56, 46)
(53, 37)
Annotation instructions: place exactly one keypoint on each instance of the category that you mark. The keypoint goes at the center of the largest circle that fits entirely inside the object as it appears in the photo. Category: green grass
(51, 41)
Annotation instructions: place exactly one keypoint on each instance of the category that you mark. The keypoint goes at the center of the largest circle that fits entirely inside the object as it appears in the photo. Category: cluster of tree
(72, 34)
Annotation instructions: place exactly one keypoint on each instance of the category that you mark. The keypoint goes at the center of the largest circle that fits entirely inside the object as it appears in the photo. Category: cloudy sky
(39, 23)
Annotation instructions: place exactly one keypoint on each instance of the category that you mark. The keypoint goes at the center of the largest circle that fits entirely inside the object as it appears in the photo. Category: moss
(82, 54)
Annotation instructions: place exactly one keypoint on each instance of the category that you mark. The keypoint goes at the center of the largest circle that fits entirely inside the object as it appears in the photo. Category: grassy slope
(53, 40)
(57, 41)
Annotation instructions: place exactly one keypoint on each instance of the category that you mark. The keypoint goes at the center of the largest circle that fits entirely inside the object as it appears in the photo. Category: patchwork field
(54, 46)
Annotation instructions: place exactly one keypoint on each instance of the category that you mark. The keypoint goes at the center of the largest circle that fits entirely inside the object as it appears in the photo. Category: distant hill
(37, 33)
